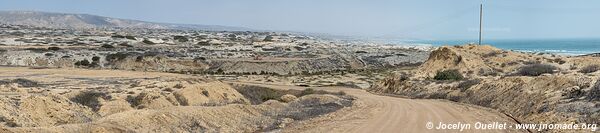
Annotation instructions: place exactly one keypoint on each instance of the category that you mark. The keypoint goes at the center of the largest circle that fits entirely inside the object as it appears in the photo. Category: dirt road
(385, 114)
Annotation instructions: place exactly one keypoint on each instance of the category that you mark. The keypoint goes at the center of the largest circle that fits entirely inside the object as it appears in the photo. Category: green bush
(536, 69)
(95, 59)
(448, 75)
(83, 62)
(590, 69)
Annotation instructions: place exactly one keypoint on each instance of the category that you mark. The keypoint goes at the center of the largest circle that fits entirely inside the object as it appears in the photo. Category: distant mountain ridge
(84, 21)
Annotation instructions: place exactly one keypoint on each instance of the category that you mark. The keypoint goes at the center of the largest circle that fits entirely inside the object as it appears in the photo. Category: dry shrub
(89, 98)
(590, 69)
(536, 69)
(594, 93)
(463, 86)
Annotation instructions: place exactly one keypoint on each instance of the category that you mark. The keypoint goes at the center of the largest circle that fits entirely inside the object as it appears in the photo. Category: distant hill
(82, 21)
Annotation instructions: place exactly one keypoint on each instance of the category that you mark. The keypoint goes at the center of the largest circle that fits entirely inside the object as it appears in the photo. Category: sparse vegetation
(257, 94)
(178, 86)
(125, 45)
(180, 38)
(21, 82)
(268, 38)
(130, 37)
(594, 93)
(232, 36)
(168, 90)
(37, 50)
(89, 98)
(203, 43)
(448, 75)
(146, 41)
(107, 46)
(536, 69)
(341, 93)
(309, 91)
(205, 93)
(95, 59)
(559, 61)
(54, 48)
(590, 69)
(491, 54)
(83, 62)
(117, 36)
(467, 84)
(139, 58)
(116, 56)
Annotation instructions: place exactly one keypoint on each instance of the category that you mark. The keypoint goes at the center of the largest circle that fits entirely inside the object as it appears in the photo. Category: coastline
(570, 47)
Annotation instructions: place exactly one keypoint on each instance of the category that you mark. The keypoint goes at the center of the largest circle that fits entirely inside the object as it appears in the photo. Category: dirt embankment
(533, 88)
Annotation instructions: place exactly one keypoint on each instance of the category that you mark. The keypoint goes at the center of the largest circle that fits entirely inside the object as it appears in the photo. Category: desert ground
(113, 113)
(160, 80)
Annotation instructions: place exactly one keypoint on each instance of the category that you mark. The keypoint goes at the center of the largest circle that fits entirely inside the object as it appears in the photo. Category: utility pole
(480, 21)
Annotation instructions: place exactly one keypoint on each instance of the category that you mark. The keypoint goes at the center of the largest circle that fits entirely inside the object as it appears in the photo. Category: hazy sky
(411, 19)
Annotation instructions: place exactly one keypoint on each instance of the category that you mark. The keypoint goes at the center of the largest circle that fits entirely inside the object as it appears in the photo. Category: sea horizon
(573, 46)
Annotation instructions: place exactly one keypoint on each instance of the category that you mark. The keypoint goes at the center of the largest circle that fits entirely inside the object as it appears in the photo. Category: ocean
(556, 46)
